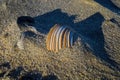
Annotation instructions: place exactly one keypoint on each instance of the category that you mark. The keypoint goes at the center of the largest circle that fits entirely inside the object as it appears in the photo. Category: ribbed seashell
(59, 37)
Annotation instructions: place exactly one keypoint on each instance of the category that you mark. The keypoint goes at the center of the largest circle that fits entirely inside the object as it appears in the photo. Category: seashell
(59, 37)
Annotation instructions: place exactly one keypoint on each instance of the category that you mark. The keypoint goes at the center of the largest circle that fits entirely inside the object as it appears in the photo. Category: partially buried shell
(59, 37)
